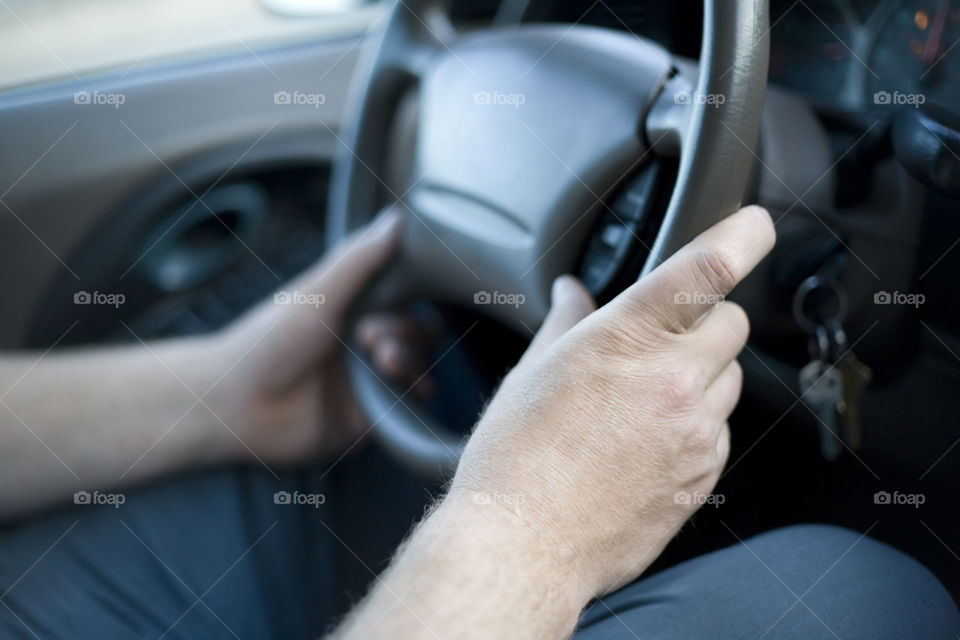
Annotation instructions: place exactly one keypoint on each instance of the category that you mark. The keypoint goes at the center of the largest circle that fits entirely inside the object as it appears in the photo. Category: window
(43, 40)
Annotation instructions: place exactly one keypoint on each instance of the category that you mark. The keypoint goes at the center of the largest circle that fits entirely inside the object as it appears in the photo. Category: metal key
(821, 388)
(856, 377)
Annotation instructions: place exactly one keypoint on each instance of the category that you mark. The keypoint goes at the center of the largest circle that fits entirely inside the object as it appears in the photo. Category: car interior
(193, 156)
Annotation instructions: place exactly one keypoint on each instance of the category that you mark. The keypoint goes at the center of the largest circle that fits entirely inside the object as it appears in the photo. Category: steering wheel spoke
(416, 31)
(670, 117)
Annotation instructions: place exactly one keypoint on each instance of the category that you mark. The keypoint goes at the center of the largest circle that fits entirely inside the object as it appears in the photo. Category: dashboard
(865, 55)
(844, 55)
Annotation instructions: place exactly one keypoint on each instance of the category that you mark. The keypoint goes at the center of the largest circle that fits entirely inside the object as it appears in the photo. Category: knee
(816, 539)
(833, 560)
(832, 548)
(819, 542)
(798, 581)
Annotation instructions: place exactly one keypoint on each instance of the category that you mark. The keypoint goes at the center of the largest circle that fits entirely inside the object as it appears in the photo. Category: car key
(856, 378)
(821, 389)
(821, 382)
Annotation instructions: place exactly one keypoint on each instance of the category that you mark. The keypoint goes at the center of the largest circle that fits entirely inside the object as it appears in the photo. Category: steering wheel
(502, 145)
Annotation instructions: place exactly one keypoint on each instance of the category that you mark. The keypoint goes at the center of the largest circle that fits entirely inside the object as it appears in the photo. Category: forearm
(470, 573)
(100, 419)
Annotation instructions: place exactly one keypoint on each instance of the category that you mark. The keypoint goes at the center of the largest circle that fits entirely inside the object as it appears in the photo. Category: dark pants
(212, 555)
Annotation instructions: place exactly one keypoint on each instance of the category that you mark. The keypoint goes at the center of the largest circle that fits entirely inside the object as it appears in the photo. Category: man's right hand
(613, 427)
(578, 474)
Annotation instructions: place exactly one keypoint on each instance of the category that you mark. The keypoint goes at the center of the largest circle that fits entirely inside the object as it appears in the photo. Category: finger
(398, 363)
(424, 387)
(372, 329)
(720, 337)
(677, 293)
(723, 445)
(399, 347)
(341, 275)
(393, 359)
(570, 302)
(376, 328)
(418, 331)
(722, 396)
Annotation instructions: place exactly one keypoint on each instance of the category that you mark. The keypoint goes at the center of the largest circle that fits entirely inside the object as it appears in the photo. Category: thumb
(570, 302)
(341, 275)
(293, 329)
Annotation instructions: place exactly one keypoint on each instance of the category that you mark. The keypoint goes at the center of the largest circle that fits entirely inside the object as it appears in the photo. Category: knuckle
(723, 448)
(703, 440)
(737, 372)
(651, 324)
(738, 376)
(625, 336)
(739, 321)
(682, 389)
(718, 267)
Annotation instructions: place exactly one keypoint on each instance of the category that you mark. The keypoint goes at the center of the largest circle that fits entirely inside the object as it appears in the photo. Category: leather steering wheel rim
(708, 115)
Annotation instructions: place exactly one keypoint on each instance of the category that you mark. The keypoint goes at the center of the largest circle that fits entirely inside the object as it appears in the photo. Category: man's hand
(603, 435)
(285, 393)
(578, 473)
(269, 387)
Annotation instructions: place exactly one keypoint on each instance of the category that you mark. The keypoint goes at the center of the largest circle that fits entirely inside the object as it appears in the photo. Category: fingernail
(560, 289)
(386, 223)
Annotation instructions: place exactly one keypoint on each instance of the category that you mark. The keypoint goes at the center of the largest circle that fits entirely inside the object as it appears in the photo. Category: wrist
(474, 572)
(216, 419)
(488, 531)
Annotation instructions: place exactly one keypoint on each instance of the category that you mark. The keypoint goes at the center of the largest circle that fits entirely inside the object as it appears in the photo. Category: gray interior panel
(75, 153)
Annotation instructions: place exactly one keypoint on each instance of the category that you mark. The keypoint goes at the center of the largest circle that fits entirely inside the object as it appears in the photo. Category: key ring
(808, 286)
(822, 342)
